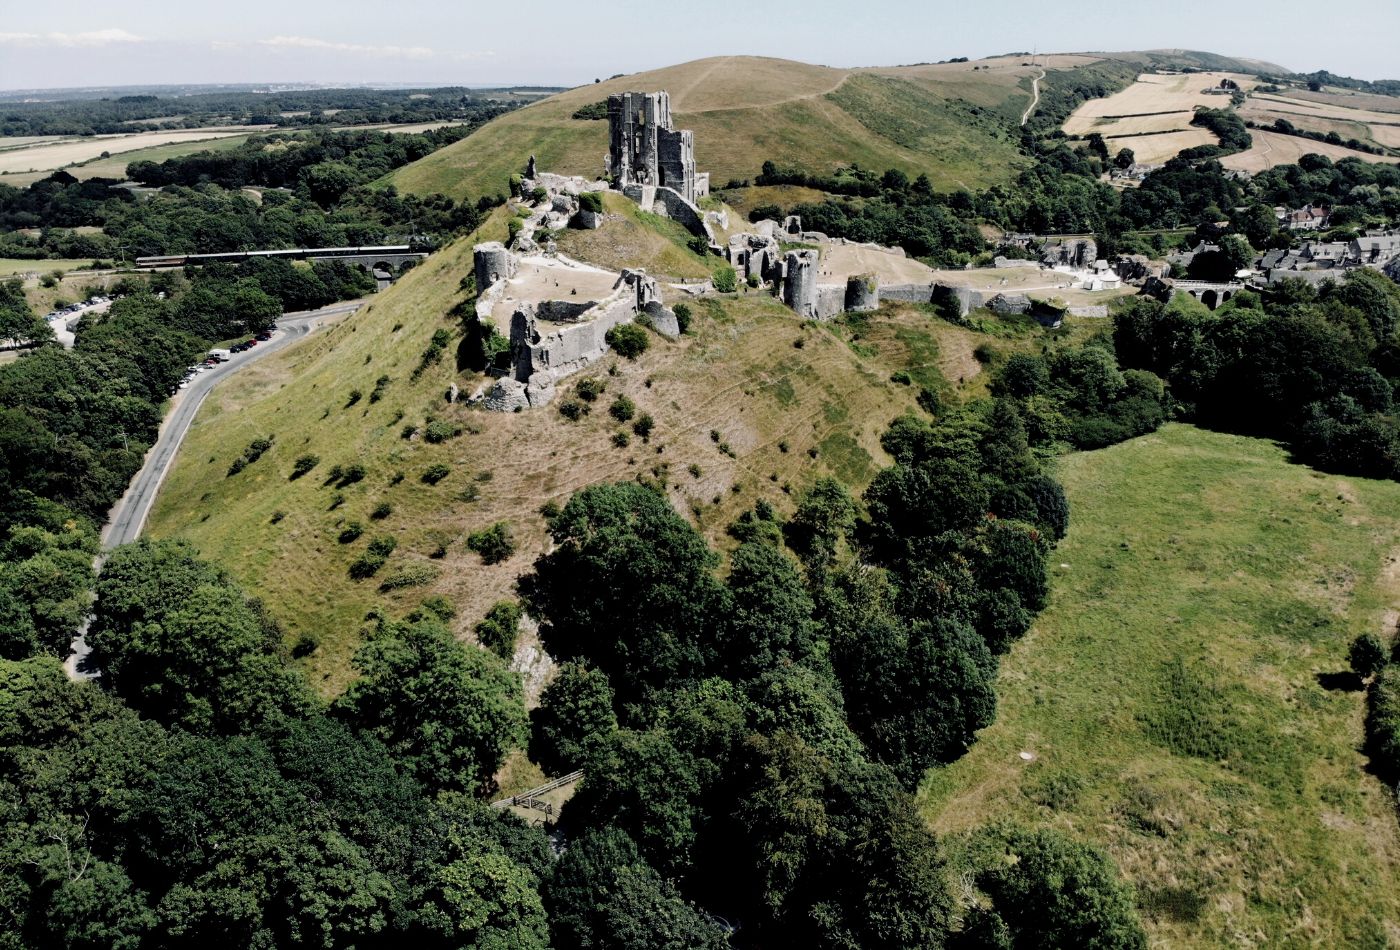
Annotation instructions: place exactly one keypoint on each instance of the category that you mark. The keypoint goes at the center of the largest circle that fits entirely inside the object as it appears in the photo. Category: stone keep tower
(800, 284)
(643, 149)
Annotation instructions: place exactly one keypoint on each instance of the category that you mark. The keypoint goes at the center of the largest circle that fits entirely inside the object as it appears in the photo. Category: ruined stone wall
(831, 301)
(676, 161)
(676, 207)
(564, 311)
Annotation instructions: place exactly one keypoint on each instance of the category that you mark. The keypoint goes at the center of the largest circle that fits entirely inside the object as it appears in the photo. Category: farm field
(1172, 703)
(1365, 125)
(11, 266)
(115, 165)
(1157, 149)
(48, 156)
(1149, 103)
(1271, 148)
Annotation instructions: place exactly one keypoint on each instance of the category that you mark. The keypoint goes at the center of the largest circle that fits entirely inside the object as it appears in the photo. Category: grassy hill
(758, 402)
(747, 109)
(954, 121)
(1173, 699)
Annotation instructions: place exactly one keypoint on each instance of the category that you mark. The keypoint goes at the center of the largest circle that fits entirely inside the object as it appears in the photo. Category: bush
(628, 340)
(440, 430)
(382, 546)
(494, 544)
(302, 465)
(683, 315)
(377, 393)
(436, 473)
(498, 629)
(382, 511)
(351, 532)
(642, 428)
(1367, 655)
(622, 409)
(355, 396)
(621, 440)
(726, 281)
(410, 575)
(591, 201)
(572, 409)
(590, 389)
(306, 645)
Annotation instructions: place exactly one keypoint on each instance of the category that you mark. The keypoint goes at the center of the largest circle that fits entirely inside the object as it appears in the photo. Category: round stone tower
(862, 292)
(491, 262)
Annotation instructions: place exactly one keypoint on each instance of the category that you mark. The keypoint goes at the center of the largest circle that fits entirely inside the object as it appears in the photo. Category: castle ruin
(643, 148)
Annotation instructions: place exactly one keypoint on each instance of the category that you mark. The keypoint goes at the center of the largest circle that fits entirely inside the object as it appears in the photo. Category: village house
(1306, 218)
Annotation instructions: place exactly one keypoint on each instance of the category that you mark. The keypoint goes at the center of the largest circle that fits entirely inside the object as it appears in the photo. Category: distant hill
(956, 122)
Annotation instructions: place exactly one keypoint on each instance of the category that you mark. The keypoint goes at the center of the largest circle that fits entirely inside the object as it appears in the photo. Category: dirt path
(1035, 97)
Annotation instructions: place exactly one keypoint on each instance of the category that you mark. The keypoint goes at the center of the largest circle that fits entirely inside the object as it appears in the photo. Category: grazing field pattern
(50, 155)
(1174, 704)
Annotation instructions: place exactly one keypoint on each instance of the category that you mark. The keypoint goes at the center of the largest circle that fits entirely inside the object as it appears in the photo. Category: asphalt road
(128, 516)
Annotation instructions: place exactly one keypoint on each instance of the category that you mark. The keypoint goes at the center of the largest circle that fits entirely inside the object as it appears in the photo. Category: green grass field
(1169, 698)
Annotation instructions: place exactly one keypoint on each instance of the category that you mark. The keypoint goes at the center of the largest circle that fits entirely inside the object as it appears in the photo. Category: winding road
(1035, 97)
(128, 516)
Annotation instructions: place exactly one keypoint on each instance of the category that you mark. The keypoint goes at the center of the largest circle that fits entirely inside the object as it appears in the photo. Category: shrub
(251, 454)
(494, 544)
(753, 280)
(643, 426)
(306, 645)
(622, 409)
(621, 439)
(628, 340)
(302, 465)
(351, 532)
(377, 393)
(725, 280)
(436, 347)
(355, 396)
(382, 511)
(572, 409)
(382, 546)
(408, 432)
(683, 316)
(436, 473)
(591, 201)
(410, 575)
(590, 389)
(699, 245)
(277, 516)
(440, 430)
(497, 630)
(1367, 655)
(366, 565)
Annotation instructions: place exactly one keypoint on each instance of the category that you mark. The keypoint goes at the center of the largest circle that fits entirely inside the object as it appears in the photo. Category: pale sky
(65, 43)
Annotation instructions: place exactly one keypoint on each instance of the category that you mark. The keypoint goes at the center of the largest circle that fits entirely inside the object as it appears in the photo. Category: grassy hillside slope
(745, 110)
(757, 401)
(954, 121)
(1173, 701)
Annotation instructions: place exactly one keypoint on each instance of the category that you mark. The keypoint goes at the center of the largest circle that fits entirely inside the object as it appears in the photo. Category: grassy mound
(1174, 700)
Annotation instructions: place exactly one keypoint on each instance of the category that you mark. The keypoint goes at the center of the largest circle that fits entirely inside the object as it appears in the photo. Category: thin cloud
(89, 38)
(308, 42)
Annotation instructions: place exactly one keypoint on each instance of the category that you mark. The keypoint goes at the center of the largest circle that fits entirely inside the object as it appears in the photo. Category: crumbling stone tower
(800, 283)
(643, 149)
